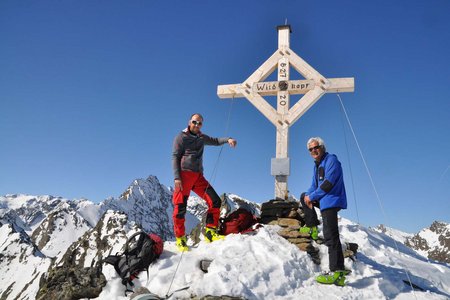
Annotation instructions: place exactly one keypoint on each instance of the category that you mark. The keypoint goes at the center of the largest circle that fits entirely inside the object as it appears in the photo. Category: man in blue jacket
(327, 192)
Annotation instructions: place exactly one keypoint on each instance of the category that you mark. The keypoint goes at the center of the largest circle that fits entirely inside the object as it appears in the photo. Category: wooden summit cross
(313, 87)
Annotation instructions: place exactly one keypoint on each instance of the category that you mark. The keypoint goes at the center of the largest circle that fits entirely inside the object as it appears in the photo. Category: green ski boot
(312, 231)
(211, 235)
(337, 278)
(181, 243)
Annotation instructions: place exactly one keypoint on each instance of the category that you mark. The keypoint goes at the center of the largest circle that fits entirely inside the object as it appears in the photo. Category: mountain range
(41, 235)
(432, 242)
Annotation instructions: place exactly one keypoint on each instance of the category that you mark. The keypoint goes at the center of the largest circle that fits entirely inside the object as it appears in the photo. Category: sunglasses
(314, 148)
(198, 123)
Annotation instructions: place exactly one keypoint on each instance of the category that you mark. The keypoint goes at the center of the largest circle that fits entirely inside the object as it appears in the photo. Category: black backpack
(138, 255)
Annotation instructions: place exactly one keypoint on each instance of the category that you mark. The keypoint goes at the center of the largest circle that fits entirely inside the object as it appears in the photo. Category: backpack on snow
(141, 249)
(239, 221)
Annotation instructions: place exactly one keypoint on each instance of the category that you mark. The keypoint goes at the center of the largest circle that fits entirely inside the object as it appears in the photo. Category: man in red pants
(187, 163)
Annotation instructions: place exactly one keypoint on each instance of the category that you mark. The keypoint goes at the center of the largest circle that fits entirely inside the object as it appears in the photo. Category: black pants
(310, 213)
(330, 232)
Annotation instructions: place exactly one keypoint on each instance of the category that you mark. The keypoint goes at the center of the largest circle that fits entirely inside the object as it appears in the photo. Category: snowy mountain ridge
(396, 234)
(432, 242)
(42, 235)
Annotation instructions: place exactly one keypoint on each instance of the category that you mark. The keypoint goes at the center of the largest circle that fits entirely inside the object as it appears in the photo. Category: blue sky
(93, 92)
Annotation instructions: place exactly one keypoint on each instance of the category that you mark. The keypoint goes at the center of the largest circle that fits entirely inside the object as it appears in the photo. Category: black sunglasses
(198, 123)
(314, 148)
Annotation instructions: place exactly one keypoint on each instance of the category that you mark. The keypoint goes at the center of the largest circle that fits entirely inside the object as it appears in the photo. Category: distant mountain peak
(432, 242)
(148, 203)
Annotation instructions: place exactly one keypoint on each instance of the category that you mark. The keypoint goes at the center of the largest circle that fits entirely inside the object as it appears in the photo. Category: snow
(265, 266)
(15, 201)
(431, 237)
(396, 234)
(18, 260)
(89, 211)
(66, 231)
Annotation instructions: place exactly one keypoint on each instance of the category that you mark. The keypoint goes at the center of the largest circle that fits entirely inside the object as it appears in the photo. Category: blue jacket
(327, 185)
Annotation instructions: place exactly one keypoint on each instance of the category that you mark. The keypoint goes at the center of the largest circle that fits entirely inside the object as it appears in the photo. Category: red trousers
(192, 181)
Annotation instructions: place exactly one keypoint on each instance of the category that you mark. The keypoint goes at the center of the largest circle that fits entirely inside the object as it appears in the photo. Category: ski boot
(211, 235)
(181, 243)
(337, 278)
(312, 231)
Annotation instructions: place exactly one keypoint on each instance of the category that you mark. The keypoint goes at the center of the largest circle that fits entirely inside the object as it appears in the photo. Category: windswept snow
(266, 266)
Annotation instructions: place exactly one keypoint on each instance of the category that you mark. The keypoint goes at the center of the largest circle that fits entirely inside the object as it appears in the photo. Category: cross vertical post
(282, 154)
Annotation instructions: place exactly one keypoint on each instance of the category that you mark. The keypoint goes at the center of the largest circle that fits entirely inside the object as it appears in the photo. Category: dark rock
(68, 283)
(314, 253)
(441, 252)
(300, 241)
(278, 209)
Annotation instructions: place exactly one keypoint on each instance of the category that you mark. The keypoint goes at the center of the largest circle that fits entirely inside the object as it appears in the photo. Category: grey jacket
(187, 154)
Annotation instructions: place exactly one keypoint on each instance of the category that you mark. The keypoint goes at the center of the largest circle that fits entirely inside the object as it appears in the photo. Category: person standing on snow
(187, 163)
(327, 192)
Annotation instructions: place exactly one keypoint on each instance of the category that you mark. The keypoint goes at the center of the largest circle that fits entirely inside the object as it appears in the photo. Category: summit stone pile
(287, 215)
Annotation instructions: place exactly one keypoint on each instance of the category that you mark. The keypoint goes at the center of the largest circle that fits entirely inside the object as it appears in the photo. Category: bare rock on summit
(68, 283)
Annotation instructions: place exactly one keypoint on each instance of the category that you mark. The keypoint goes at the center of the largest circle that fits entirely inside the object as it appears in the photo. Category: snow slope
(266, 266)
(394, 233)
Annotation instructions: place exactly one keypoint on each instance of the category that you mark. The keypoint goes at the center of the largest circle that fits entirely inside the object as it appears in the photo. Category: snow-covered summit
(266, 266)
(78, 233)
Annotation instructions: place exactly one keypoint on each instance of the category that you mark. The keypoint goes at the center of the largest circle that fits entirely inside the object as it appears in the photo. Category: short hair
(318, 140)
(196, 114)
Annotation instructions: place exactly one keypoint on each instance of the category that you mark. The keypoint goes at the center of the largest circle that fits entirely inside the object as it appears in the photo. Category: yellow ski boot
(312, 231)
(211, 235)
(181, 243)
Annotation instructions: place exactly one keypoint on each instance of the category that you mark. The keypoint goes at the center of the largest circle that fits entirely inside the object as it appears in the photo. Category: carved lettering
(301, 86)
(294, 86)
(282, 70)
(266, 87)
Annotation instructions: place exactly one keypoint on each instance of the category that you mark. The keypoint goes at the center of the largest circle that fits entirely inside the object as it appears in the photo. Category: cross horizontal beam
(271, 88)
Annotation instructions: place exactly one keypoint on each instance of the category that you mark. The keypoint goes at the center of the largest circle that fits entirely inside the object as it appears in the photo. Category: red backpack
(239, 221)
